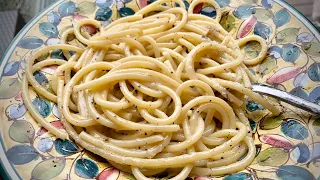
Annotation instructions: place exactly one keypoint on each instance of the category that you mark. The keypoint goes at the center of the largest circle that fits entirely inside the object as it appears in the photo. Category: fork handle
(286, 97)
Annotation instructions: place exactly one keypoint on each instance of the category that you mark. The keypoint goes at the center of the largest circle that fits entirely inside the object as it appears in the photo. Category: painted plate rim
(6, 168)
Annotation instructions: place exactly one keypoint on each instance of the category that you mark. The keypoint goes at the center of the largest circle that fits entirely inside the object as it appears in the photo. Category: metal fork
(286, 97)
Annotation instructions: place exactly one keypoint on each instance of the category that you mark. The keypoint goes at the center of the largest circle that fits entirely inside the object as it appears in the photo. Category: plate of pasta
(139, 89)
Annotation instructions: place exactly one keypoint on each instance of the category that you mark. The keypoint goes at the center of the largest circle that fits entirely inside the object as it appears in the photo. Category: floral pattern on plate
(288, 146)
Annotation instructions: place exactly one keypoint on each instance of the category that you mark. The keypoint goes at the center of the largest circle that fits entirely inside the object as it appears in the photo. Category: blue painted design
(54, 18)
(294, 129)
(104, 3)
(223, 3)
(253, 106)
(72, 53)
(57, 54)
(40, 78)
(11, 68)
(290, 52)
(48, 29)
(304, 37)
(291, 172)
(267, 3)
(15, 111)
(103, 14)
(301, 153)
(65, 147)
(208, 11)
(253, 124)
(314, 72)
(238, 176)
(45, 145)
(67, 9)
(298, 91)
(186, 3)
(281, 17)
(244, 11)
(275, 51)
(262, 30)
(126, 11)
(314, 95)
(21, 154)
(43, 106)
(86, 168)
(300, 80)
(30, 43)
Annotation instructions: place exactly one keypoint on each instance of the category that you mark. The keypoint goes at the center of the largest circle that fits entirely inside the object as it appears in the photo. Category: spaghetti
(161, 90)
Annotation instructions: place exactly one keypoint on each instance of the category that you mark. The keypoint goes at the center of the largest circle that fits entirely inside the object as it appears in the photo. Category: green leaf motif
(287, 35)
(271, 122)
(291, 172)
(48, 169)
(272, 157)
(9, 88)
(43, 57)
(263, 14)
(267, 66)
(227, 22)
(86, 8)
(21, 131)
(312, 49)
(252, 49)
(316, 124)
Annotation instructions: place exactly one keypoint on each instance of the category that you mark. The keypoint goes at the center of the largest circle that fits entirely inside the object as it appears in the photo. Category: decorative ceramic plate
(288, 146)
